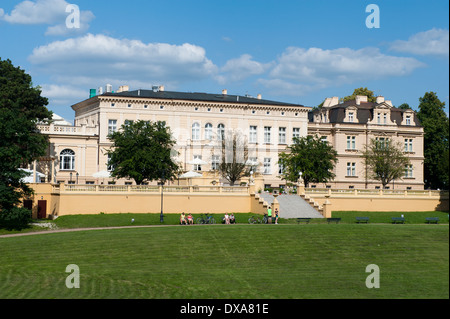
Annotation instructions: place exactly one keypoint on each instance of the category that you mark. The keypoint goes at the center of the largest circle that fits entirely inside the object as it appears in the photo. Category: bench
(306, 220)
(335, 220)
(432, 220)
(362, 220)
(396, 220)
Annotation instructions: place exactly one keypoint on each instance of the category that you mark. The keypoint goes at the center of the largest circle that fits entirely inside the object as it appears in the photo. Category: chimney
(224, 92)
(123, 88)
(259, 96)
(380, 99)
(360, 98)
(161, 88)
(108, 88)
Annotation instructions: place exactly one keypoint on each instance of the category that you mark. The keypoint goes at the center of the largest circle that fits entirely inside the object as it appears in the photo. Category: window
(129, 105)
(282, 135)
(112, 126)
(220, 132)
(195, 132)
(215, 162)
(109, 167)
(408, 171)
(382, 142)
(267, 169)
(350, 117)
(280, 169)
(408, 119)
(113, 104)
(253, 137)
(324, 139)
(385, 118)
(351, 169)
(197, 167)
(408, 145)
(295, 132)
(267, 130)
(378, 118)
(128, 122)
(253, 164)
(67, 160)
(208, 131)
(351, 142)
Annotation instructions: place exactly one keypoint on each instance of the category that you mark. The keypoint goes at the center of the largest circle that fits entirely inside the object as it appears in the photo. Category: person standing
(276, 216)
(269, 215)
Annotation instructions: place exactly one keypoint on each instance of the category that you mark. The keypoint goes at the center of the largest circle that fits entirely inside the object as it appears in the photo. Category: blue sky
(291, 51)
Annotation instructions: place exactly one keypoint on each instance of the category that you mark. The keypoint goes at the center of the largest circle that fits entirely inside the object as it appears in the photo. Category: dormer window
(408, 119)
(351, 116)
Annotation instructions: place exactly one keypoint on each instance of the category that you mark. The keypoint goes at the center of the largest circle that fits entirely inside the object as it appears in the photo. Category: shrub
(15, 218)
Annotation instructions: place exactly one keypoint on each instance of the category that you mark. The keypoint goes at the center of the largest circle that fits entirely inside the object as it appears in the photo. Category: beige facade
(198, 121)
(349, 126)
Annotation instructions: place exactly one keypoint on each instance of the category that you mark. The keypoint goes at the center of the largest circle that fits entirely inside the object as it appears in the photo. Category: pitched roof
(196, 96)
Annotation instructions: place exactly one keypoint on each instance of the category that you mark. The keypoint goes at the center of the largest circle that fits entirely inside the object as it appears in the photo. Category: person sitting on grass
(232, 219)
(190, 219)
(227, 218)
(183, 219)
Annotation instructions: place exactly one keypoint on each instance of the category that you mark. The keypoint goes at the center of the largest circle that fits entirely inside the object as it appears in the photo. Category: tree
(311, 156)
(385, 160)
(142, 151)
(234, 156)
(21, 108)
(436, 140)
(364, 92)
(404, 106)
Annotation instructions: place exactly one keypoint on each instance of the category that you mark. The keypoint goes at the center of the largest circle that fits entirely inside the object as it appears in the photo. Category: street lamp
(161, 216)
(300, 177)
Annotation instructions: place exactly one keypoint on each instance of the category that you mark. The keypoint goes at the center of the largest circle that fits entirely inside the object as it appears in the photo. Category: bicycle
(206, 219)
(254, 220)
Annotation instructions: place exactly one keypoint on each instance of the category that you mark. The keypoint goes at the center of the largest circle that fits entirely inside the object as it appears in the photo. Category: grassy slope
(237, 261)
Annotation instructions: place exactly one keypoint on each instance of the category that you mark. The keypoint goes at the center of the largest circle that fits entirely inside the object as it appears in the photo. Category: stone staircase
(294, 206)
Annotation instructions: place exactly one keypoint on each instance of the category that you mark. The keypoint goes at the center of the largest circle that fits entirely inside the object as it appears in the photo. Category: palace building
(200, 121)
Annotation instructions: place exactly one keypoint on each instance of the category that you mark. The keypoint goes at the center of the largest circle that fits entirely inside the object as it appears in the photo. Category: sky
(290, 51)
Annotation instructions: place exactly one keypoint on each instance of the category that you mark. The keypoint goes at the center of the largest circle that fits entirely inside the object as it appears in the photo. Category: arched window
(220, 132)
(208, 131)
(67, 160)
(195, 132)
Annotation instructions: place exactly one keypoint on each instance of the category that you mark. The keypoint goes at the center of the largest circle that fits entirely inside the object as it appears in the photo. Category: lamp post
(300, 177)
(70, 178)
(77, 177)
(161, 216)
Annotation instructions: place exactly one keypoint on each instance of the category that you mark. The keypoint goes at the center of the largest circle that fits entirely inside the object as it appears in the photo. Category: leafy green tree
(143, 151)
(404, 106)
(311, 156)
(385, 160)
(364, 92)
(436, 141)
(21, 108)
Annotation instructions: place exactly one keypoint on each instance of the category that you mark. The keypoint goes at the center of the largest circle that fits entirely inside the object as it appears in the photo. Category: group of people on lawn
(227, 219)
(189, 220)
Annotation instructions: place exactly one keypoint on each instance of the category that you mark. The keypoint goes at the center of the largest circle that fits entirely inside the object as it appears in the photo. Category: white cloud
(241, 68)
(52, 12)
(431, 42)
(314, 68)
(98, 59)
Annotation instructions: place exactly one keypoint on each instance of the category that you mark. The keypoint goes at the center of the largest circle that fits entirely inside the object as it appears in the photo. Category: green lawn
(230, 261)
